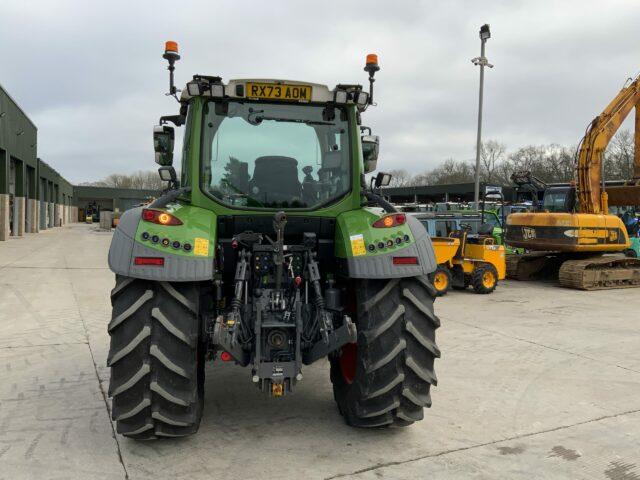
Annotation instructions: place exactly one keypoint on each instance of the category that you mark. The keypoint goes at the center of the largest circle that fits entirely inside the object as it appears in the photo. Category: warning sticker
(201, 247)
(357, 245)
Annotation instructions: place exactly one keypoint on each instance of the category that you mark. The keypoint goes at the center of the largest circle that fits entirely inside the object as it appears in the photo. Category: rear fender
(180, 265)
(359, 254)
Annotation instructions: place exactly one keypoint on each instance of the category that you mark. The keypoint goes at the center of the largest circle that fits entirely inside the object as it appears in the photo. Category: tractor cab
(270, 144)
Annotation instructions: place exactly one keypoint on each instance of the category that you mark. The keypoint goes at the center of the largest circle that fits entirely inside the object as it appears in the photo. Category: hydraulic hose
(374, 197)
(169, 197)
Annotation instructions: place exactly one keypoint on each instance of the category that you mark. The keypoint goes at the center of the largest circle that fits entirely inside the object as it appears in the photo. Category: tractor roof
(273, 89)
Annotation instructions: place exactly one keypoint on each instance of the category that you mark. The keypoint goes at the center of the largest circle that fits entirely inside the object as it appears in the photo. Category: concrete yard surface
(535, 381)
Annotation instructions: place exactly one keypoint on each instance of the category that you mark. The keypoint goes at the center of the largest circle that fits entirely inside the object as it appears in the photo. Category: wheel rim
(488, 280)
(440, 281)
(349, 362)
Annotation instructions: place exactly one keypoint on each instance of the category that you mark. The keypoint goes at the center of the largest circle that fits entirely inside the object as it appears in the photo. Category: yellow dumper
(465, 259)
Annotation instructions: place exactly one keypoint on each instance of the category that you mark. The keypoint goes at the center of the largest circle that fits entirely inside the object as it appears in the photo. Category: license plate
(272, 91)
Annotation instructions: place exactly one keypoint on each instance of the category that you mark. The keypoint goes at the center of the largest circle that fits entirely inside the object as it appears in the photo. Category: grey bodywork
(179, 269)
(176, 268)
(381, 266)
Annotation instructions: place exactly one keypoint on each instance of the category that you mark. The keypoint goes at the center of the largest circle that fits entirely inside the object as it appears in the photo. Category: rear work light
(388, 221)
(159, 217)
(153, 261)
(405, 260)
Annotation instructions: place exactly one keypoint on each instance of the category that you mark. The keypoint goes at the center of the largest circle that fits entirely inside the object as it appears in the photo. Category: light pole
(485, 34)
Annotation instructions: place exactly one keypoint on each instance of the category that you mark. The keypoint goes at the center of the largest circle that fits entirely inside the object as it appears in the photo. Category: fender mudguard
(378, 263)
(177, 268)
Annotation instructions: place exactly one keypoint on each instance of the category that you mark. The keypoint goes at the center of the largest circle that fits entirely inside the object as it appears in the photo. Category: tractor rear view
(269, 252)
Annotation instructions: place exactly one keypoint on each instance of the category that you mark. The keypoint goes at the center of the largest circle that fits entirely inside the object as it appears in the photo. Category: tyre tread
(396, 352)
(155, 333)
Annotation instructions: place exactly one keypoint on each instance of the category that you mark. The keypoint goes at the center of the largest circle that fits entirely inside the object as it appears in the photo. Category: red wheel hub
(349, 362)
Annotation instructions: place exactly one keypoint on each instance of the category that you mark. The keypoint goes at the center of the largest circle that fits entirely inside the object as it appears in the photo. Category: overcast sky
(91, 76)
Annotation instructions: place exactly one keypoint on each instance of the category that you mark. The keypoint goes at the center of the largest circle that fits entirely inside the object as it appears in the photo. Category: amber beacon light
(372, 62)
(171, 47)
(371, 67)
(171, 55)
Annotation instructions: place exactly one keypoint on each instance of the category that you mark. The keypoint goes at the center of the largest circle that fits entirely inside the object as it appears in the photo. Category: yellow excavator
(574, 233)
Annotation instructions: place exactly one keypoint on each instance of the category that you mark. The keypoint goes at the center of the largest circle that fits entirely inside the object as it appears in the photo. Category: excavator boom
(592, 198)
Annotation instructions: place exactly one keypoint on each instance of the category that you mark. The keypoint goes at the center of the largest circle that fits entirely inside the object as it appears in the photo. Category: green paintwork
(197, 223)
(200, 216)
(360, 221)
(192, 165)
(635, 245)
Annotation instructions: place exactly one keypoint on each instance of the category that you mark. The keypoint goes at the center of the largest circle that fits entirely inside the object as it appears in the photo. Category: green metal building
(33, 196)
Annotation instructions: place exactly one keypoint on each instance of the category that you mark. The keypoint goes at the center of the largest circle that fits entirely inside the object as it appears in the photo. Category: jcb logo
(528, 233)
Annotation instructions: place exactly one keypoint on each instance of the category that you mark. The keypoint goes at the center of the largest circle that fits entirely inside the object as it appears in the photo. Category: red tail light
(226, 357)
(153, 261)
(405, 260)
(388, 221)
(159, 217)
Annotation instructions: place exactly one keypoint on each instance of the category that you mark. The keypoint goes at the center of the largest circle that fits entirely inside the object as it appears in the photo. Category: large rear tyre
(385, 378)
(156, 358)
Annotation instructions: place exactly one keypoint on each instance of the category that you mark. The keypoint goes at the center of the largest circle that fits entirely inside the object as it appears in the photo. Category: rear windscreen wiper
(293, 120)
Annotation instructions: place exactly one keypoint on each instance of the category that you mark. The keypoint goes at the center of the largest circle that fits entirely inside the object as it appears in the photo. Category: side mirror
(382, 179)
(168, 174)
(370, 149)
(163, 138)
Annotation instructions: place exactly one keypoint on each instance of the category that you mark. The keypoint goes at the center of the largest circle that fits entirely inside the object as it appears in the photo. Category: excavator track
(533, 265)
(600, 273)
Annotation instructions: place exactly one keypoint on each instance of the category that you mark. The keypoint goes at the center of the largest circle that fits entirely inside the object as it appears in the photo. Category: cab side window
(441, 228)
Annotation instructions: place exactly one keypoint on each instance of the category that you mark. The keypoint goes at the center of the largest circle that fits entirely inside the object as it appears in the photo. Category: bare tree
(619, 156)
(492, 154)
(419, 180)
(451, 171)
(141, 180)
(558, 162)
(399, 178)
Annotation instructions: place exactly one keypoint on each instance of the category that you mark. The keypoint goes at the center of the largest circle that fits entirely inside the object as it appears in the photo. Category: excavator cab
(559, 199)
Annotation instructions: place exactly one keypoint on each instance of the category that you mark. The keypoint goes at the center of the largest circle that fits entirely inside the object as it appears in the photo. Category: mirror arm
(380, 201)
(169, 197)
(177, 120)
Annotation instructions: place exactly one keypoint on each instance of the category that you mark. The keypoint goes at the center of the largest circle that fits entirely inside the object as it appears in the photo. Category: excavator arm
(591, 195)
(527, 182)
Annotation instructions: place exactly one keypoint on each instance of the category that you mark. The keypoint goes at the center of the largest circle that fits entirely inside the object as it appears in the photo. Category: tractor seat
(275, 180)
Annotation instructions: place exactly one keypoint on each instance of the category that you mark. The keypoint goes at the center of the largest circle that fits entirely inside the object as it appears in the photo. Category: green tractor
(271, 251)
